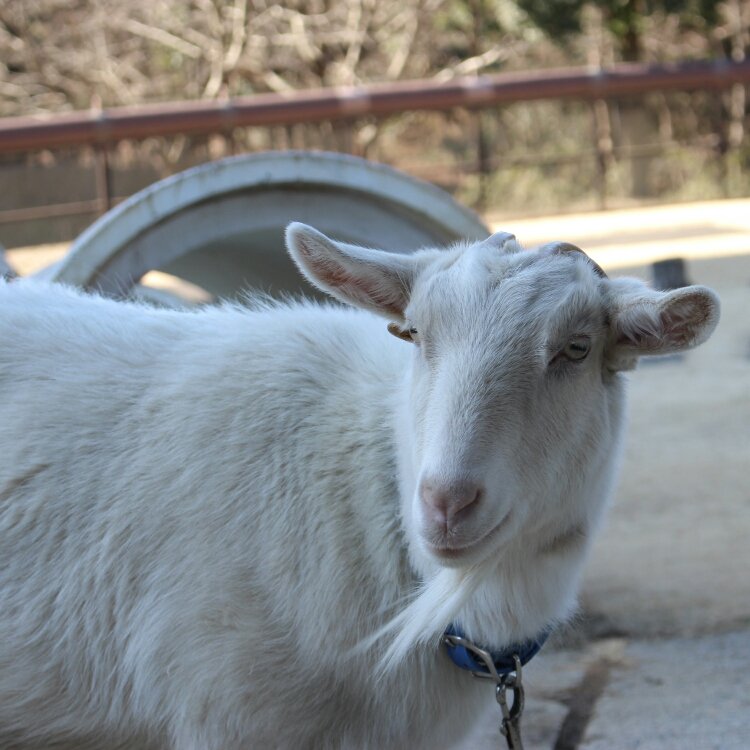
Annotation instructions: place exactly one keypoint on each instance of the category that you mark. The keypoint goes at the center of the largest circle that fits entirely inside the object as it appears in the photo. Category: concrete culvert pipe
(220, 225)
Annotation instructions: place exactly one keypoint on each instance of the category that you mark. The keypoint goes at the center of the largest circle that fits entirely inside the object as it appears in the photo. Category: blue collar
(504, 662)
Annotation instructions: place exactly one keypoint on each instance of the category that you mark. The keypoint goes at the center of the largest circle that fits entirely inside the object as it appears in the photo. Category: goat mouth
(453, 551)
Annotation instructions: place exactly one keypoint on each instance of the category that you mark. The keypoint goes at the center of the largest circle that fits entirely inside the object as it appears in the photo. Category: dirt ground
(674, 555)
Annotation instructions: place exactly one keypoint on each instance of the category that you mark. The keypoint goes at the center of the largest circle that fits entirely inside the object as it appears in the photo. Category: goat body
(203, 515)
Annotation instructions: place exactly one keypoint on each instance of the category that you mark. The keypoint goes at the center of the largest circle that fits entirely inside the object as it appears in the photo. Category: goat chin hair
(422, 622)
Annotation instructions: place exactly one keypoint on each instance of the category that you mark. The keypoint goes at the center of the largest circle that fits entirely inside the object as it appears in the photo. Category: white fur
(204, 515)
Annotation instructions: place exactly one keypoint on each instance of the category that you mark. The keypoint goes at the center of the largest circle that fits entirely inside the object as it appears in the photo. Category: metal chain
(504, 684)
(511, 725)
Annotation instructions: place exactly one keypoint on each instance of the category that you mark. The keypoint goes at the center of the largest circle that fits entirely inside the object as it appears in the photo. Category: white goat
(204, 514)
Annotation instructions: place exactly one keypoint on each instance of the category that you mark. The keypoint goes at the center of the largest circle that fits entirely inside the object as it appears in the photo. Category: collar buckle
(481, 657)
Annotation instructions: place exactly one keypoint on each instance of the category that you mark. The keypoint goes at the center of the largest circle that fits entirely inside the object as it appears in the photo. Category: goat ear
(372, 279)
(649, 322)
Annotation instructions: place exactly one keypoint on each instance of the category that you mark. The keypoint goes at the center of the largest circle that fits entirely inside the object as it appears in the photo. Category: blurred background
(620, 125)
(535, 154)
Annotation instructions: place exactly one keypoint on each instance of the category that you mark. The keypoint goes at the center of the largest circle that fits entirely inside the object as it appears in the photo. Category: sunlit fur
(204, 515)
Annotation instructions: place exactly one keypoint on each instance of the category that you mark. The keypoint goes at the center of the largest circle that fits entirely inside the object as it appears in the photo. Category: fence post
(603, 143)
(484, 169)
(737, 102)
(102, 179)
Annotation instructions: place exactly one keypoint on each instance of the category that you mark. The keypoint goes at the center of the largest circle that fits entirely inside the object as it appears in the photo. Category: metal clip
(512, 681)
(511, 726)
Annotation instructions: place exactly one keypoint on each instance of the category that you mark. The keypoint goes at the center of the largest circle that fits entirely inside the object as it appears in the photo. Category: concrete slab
(551, 682)
(669, 694)
(542, 720)
(676, 694)
(673, 556)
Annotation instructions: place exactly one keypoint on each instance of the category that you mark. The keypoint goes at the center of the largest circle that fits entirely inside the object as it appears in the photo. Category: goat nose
(447, 504)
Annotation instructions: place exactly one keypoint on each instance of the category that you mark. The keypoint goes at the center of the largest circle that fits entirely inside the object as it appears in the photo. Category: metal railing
(102, 129)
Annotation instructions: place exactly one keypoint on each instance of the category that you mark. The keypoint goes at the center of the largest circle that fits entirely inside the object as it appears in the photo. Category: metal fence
(99, 131)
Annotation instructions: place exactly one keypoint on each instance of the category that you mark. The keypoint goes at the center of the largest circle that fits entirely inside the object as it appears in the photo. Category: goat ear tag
(400, 333)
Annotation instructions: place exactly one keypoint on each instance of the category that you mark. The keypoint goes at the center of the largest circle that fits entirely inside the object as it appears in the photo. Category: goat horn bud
(499, 239)
(560, 248)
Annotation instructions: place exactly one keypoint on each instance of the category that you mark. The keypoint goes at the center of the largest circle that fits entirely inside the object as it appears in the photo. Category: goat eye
(577, 348)
(407, 334)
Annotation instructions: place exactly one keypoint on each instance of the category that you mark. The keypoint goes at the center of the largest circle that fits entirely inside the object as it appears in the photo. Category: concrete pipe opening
(220, 226)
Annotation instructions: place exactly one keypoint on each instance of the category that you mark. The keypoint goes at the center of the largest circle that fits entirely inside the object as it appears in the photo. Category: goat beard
(422, 622)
